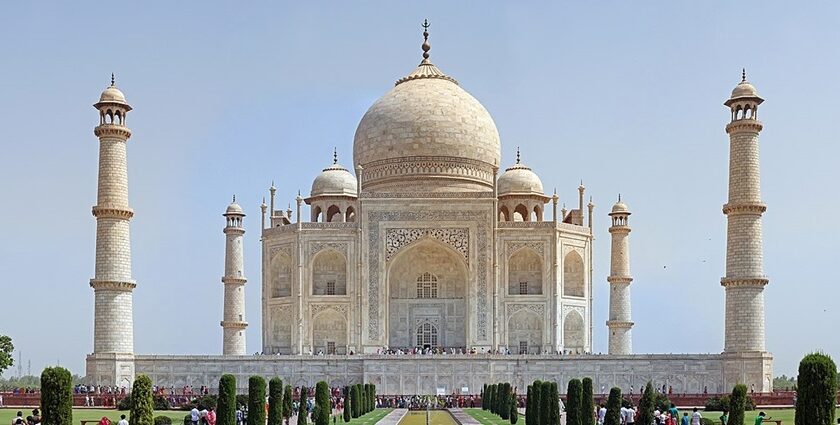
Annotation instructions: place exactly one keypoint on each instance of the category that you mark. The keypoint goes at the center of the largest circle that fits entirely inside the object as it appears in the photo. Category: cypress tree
(322, 404)
(545, 405)
(347, 407)
(275, 402)
(737, 402)
(57, 396)
(372, 397)
(646, 405)
(491, 406)
(256, 400)
(574, 394)
(587, 405)
(484, 397)
(613, 407)
(287, 402)
(554, 408)
(142, 403)
(362, 400)
(816, 390)
(504, 401)
(529, 399)
(536, 392)
(354, 401)
(367, 398)
(226, 402)
(303, 407)
(514, 408)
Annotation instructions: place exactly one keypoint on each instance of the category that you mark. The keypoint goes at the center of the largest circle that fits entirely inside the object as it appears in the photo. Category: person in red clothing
(211, 416)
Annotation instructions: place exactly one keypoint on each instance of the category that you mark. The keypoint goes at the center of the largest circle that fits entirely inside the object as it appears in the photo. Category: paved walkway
(463, 417)
(393, 418)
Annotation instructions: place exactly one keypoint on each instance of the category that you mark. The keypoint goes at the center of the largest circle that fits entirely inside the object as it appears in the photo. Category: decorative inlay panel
(512, 247)
(375, 241)
(511, 309)
(318, 308)
(396, 239)
(570, 308)
(285, 249)
(316, 247)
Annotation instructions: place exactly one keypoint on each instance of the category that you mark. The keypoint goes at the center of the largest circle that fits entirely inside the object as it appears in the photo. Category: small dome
(744, 89)
(520, 180)
(112, 95)
(620, 208)
(335, 180)
(234, 209)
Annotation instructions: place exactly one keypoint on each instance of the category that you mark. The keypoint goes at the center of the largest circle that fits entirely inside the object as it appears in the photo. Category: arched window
(520, 213)
(316, 215)
(427, 286)
(504, 213)
(427, 335)
(573, 285)
(333, 212)
(350, 215)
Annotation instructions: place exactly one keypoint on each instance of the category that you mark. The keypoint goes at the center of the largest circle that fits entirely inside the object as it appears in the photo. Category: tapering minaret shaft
(112, 283)
(620, 322)
(233, 323)
(745, 279)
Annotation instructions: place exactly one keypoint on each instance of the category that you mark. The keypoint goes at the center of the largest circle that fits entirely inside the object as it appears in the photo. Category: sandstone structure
(429, 246)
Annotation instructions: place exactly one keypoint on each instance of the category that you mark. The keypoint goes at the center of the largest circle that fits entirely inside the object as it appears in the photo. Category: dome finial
(234, 198)
(113, 80)
(619, 197)
(743, 74)
(517, 154)
(426, 45)
(335, 155)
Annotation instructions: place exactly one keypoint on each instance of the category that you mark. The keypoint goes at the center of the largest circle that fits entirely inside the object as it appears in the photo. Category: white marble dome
(334, 180)
(744, 89)
(520, 180)
(427, 134)
(234, 209)
(620, 208)
(112, 95)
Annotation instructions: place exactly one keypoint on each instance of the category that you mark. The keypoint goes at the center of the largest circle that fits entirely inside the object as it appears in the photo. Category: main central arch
(427, 303)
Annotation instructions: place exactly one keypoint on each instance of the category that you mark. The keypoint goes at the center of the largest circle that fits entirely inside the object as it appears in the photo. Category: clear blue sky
(230, 95)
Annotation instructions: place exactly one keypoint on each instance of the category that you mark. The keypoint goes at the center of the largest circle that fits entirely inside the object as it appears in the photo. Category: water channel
(436, 417)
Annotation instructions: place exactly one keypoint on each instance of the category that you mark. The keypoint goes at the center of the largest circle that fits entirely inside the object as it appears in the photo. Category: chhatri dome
(112, 94)
(234, 208)
(519, 180)
(334, 180)
(744, 89)
(427, 134)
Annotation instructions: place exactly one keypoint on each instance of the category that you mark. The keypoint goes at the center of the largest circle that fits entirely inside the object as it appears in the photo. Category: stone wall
(424, 374)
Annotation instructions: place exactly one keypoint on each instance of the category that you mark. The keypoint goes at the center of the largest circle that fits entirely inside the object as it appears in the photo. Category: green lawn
(486, 417)
(6, 415)
(368, 419)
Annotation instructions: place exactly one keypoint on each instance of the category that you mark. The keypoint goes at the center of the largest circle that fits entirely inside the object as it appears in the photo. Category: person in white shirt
(623, 414)
(602, 413)
(695, 417)
(194, 416)
(630, 417)
(122, 420)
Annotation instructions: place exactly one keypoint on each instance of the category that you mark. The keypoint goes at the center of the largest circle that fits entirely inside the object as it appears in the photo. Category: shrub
(57, 396)
(514, 413)
(491, 398)
(142, 406)
(162, 420)
(536, 390)
(188, 419)
(362, 399)
(613, 407)
(287, 402)
(256, 400)
(124, 403)
(816, 390)
(646, 405)
(161, 403)
(347, 407)
(354, 401)
(275, 402)
(587, 404)
(203, 402)
(574, 392)
(545, 405)
(484, 397)
(303, 408)
(241, 401)
(554, 406)
(226, 401)
(707, 421)
(529, 400)
(661, 401)
(502, 406)
(736, 405)
(322, 403)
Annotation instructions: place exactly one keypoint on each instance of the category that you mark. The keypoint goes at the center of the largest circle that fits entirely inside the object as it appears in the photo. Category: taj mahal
(430, 241)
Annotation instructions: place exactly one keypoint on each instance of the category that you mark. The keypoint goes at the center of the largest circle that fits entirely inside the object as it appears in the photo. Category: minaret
(744, 281)
(234, 324)
(620, 323)
(113, 329)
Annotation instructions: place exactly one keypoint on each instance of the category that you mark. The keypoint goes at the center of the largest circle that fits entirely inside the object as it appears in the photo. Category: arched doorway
(574, 337)
(329, 333)
(427, 286)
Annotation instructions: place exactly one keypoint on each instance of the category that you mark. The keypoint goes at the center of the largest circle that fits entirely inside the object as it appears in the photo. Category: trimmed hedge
(536, 391)
(587, 403)
(354, 401)
(322, 403)
(275, 402)
(736, 405)
(574, 398)
(347, 406)
(163, 420)
(226, 403)
(57, 396)
(142, 406)
(545, 406)
(816, 390)
(514, 412)
(287, 401)
(646, 405)
(256, 400)
(554, 407)
(613, 407)
(303, 409)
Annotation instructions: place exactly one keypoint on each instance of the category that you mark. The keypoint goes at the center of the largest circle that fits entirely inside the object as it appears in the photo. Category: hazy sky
(230, 95)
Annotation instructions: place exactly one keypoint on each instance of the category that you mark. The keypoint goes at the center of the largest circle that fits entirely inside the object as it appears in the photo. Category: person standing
(759, 420)
(696, 417)
(602, 414)
(211, 417)
(194, 415)
(122, 420)
(631, 416)
(685, 419)
(674, 413)
(724, 418)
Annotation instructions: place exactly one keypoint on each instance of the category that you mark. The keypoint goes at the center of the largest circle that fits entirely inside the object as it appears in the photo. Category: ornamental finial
(619, 197)
(113, 80)
(335, 155)
(743, 75)
(517, 154)
(234, 198)
(426, 45)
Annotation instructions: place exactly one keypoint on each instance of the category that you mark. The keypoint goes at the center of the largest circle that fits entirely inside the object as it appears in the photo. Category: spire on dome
(335, 155)
(113, 80)
(426, 69)
(743, 74)
(426, 46)
(517, 154)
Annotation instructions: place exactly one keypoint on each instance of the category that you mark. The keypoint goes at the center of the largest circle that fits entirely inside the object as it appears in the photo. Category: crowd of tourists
(435, 351)
(33, 419)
